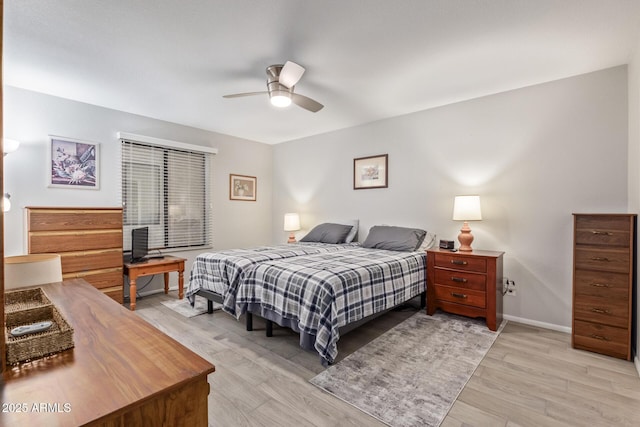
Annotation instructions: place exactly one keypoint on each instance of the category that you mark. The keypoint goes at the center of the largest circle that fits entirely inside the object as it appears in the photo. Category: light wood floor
(530, 377)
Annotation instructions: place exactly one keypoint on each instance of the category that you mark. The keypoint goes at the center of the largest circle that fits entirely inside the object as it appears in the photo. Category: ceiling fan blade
(290, 74)
(306, 103)
(239, 95)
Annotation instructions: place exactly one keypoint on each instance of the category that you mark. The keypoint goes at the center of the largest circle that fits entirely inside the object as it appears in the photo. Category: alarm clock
(446, 244)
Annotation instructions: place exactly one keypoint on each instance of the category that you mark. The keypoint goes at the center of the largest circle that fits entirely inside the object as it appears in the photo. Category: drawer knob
(600, 285)
(600, 310)
(600, 258)
(459, 279)
(599, 337)
(458, 262)
(602, 233)
(457, 295)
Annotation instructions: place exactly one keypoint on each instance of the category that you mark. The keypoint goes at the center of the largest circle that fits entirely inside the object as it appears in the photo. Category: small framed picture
(370, 172)
(73, 163)
(242, 187)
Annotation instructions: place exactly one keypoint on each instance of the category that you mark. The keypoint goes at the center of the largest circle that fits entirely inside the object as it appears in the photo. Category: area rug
(412, 374)
(183, 307)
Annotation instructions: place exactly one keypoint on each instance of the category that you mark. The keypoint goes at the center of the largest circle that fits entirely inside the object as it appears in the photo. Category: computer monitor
(139, 244)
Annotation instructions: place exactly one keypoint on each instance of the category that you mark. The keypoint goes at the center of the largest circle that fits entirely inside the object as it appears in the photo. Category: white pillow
(354, 231)
(428, 242)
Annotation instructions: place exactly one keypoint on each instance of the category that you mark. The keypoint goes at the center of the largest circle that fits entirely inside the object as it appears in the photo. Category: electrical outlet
(511, 288)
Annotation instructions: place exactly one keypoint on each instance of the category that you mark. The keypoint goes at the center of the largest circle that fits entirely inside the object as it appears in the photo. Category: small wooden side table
(153, 266)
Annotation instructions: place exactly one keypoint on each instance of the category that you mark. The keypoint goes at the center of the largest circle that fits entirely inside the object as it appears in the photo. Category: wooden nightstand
(465, 283)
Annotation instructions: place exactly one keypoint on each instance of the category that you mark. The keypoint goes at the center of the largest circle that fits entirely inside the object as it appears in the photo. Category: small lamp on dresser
(466, 208)
(291, 224)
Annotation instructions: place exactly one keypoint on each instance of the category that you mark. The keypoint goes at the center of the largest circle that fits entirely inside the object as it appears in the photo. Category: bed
(216, 275)
(319, 294)
(320, 287)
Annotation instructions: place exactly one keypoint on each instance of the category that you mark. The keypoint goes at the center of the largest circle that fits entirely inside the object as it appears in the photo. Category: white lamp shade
(291, 222)
(6, 202)
(467, 208)
(31, 270)
(9, 145)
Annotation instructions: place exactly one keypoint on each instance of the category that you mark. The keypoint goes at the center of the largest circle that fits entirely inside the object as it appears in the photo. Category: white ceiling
(366, 59)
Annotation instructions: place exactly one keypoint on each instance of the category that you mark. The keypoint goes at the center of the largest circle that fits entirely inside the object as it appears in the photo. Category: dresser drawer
(600, 259)
(461, 296)
(602, 230)
(461, 279)
(106, 278)
(602, 310)
(601, 338)
(67, 241)
(601, 284)
(457, 262)
(602, 237)
(91, 260)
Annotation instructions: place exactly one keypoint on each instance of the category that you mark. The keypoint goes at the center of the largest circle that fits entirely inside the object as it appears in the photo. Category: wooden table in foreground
(152, 266)
(122, 371)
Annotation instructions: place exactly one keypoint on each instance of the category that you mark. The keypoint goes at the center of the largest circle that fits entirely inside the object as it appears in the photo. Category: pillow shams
(328, 233)
(394, 238)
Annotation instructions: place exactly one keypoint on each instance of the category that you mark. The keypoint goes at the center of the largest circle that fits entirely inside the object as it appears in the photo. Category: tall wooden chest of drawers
(89, 241)
(603, 283)
(466, 283)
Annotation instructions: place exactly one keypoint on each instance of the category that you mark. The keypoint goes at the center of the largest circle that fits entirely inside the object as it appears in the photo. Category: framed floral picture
(242, 187)
(73, 163)
(370, 172)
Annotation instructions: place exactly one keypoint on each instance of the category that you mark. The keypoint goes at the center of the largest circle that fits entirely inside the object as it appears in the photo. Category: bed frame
(215, 297)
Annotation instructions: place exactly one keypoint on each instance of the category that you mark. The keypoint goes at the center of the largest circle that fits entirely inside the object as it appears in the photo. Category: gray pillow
(394, 238)
(354, 230)
(328, 233)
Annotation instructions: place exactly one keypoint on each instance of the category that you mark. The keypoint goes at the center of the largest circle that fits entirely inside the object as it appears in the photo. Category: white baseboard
(552, 326)
(636, 361)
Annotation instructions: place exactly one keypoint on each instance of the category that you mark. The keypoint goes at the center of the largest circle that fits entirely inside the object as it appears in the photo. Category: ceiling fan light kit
(280, 99)
(281, 80)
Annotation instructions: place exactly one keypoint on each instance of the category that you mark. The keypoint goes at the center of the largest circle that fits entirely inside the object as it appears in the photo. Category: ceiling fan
(281, 80)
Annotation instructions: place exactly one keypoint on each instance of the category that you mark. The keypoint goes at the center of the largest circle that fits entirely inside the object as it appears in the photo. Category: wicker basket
(25, 299)
(23, 310)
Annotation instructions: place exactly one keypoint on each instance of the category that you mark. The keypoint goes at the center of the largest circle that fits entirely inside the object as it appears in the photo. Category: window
(167, 190)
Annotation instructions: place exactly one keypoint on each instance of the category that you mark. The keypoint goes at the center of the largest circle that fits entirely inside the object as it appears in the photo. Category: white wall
(535, 156)
(30, 117)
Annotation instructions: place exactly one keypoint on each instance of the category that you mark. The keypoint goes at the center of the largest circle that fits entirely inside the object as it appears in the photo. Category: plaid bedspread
(222, 271)
(325, 291)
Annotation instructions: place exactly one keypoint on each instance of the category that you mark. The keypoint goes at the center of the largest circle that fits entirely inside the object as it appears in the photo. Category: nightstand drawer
(613, 260)
(461, 279)
(461, 296)
(461, 262)
(602, 284)
(601, 338)
(602, 310)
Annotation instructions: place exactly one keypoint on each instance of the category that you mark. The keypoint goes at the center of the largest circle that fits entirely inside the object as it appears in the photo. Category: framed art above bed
(370, 172)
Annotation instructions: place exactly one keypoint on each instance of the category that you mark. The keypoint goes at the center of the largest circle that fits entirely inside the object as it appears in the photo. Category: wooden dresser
(89, 241)
(465, 283)
(603, 283)
(123, 372)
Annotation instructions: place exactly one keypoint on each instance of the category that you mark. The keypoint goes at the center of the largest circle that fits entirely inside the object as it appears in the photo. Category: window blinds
(167, 190)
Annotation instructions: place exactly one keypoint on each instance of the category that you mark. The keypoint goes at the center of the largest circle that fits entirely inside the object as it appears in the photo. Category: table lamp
(291, 224)
(30, 270)
(466, 208)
